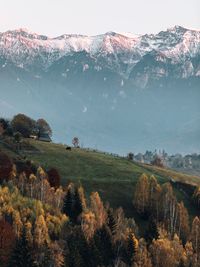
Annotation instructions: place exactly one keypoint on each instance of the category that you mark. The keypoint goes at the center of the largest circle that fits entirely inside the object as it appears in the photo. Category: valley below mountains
(117, 92)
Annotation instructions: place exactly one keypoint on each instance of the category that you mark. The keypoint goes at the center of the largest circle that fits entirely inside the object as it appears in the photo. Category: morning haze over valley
(119, 91)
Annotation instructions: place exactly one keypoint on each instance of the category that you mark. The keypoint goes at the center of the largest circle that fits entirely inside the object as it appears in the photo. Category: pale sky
(91, 17)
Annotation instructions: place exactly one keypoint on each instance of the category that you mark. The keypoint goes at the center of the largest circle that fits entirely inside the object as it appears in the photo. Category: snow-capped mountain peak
(119, 51)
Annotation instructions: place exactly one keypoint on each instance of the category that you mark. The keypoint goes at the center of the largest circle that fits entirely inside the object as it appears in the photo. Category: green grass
(113, 177)
(178, 176)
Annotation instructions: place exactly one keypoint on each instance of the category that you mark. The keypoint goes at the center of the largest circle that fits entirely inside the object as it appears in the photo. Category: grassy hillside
(113, 177)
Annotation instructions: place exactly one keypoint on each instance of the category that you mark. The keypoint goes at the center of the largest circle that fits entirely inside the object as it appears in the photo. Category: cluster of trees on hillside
(159, 203)
(22, 125)
(190, 162)
(44, 224)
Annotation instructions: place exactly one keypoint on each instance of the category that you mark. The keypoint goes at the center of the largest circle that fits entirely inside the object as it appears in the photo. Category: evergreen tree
(21, 256)
(44, 256)
(181, 263)
(152, 231)
(129, 253)
(76, 250)
(103, 243)
(73, 203)
(69, 203)
(95, 255)
(111, 222)
(78, 208)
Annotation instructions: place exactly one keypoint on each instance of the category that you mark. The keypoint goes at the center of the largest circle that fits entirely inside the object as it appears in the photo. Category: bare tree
(75, 142)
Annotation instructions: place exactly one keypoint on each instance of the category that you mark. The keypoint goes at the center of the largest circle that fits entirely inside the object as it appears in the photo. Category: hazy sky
(55, 17)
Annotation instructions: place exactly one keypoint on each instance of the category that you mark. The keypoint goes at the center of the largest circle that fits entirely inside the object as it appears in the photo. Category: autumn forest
(45, 223)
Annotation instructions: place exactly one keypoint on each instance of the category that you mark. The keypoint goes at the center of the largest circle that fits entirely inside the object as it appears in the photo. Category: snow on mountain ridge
(24, 47)
(15, 44)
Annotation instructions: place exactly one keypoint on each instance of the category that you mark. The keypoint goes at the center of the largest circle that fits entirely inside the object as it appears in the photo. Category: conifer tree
(74, 203)
(130, 250)
(103, 243)
(95, 255)
(78, 208)
(21, 256)
(132, 247)
(68, 203)
(44, 256)
(152, 231)
(111, 222)
(181, 263)
(76, 250)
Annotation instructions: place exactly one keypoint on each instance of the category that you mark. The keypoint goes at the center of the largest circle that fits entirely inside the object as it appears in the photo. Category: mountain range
(117, 92)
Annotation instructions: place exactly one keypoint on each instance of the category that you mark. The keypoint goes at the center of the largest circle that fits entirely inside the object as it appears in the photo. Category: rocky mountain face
(116, 91)
(121, 53)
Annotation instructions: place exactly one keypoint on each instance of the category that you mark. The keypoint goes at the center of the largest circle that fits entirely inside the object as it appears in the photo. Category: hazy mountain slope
(116, 92)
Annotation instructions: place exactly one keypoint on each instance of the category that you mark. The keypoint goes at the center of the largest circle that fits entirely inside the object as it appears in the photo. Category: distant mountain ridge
(177, 45)
(146, 87)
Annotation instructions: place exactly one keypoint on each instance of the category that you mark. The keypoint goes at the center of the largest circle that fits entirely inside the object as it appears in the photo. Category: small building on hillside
(44, 137)
(33, 136)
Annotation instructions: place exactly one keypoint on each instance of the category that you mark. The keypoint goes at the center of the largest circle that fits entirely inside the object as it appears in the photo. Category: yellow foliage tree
(141, 196)
(98, 209)
(41, 235)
